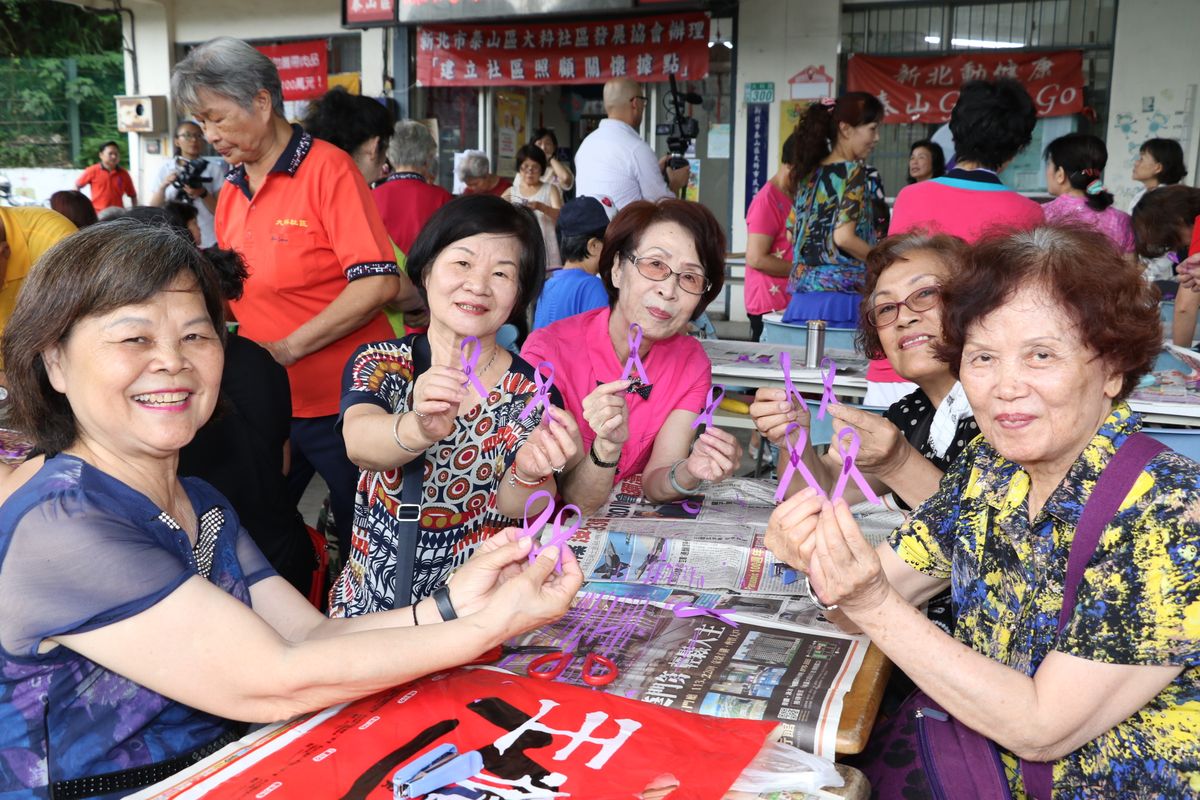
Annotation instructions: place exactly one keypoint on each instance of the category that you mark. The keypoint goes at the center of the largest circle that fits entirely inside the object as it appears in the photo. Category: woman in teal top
(840, 208)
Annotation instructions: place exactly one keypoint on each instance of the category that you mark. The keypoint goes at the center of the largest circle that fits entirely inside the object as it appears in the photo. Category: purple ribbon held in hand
(790, 391)
(716, 393)
(542, 396)
(634, 361)
(850, 469)
(828, 373)
(559, 535)
(795, 464)
(469, 356)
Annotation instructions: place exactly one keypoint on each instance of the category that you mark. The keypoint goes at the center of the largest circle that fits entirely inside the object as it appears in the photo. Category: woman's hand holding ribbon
(435, 400)
(882, 449)
(772, 412)
(497, 560)
(606, 412)
(791, 530)
(715, 455)
(843, 568)
(550, 447)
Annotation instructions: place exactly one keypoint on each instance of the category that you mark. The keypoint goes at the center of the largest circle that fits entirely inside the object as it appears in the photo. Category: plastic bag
(781, 767)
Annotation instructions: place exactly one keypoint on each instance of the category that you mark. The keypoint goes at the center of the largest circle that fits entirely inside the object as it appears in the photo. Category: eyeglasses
(641, 97)
(189, 136)
(922, 299)
(656, 269)
(530, 166)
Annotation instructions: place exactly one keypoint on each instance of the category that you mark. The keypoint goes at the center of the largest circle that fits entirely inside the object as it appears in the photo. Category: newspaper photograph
(755, 669)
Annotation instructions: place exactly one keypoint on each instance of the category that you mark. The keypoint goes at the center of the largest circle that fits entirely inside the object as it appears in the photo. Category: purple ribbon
(789, 388)
(828, 373)
(559, 535)
(743, 357)
(795, 464)
(850, 469)
(691, 506)
(714, 399)
(470, 361)
(683, 610)
(542, 396)
(634, 361)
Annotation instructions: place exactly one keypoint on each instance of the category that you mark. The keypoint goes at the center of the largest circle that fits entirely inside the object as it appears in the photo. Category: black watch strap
(596, 459)
(441, 596)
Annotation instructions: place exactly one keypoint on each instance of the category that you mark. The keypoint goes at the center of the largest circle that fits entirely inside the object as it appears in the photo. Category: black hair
(936, 154)
(540, 132)
(106, 145)
(347, 120)
(787, 153)
(230, 270)
(173, 215)
(575, 248)
(817, 131)
(1169, 153)
(992, 122)
(473, 214)
(1083, 158)
(530, 152)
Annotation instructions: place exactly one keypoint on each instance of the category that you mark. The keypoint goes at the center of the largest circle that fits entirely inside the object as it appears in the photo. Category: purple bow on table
(683, 610)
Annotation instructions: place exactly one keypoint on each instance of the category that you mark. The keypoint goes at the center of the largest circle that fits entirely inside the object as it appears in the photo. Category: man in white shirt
(614, 161)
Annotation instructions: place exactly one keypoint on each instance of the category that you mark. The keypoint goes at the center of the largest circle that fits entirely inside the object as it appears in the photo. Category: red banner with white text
(646, 49)
(303, 67)
(925, 89)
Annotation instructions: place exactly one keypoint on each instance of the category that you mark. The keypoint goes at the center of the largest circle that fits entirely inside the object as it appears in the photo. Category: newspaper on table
(645, 562)
(1175, 379)
(761, 360)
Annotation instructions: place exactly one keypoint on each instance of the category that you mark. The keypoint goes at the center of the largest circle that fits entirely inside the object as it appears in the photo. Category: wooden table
(861, 705)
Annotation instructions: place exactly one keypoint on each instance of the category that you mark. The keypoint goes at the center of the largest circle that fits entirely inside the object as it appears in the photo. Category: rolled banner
(634, 362)
(850, 469)
(469, 357)
(828, 373)
(714, 399)
(541, 397)
(795, 463)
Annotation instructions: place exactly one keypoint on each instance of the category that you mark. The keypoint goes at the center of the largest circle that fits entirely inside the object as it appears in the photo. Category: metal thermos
(814, 348)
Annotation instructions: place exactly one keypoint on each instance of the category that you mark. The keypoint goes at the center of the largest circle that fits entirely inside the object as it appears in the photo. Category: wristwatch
(597, 460)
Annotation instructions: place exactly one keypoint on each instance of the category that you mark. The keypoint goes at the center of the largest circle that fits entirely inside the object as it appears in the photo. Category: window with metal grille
(933, 28)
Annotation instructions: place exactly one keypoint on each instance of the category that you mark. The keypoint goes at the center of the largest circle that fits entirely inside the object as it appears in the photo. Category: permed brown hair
(1160, 217)
(950, 250)
(92, 272)
(626, 229)
(1100, 290)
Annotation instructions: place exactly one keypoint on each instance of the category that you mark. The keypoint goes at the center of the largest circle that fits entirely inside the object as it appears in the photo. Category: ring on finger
(558, 470)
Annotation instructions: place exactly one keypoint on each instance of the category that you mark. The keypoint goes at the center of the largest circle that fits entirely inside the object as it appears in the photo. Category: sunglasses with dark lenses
(922, 299)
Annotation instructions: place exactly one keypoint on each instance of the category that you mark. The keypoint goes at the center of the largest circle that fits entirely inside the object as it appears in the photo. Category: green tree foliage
(40, 40)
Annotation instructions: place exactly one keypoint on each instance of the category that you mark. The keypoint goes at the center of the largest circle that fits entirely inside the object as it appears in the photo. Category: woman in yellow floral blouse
(1049, 331)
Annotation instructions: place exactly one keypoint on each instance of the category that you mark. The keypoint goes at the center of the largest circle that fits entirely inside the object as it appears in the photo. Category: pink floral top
(1115, 224)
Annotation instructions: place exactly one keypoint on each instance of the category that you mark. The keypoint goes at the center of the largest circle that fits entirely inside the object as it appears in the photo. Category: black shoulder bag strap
(409, 512)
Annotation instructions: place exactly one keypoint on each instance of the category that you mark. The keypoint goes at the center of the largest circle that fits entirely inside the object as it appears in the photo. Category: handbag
(924, 748)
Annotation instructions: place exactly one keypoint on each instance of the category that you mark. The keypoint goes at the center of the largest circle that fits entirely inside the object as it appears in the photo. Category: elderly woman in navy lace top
(139, 616)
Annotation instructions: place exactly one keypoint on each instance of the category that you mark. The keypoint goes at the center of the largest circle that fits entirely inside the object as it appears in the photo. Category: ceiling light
(933, 39)
(983, 43)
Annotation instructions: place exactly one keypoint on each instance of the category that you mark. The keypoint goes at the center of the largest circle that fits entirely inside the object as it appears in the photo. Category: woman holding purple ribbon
(906, 450)
(630, 370)
(1069, 541)
(445, 426)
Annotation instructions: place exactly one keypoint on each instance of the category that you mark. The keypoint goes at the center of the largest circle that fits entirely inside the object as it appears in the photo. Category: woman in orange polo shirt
(321, 265)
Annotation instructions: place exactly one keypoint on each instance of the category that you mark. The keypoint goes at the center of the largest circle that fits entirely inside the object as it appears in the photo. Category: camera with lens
(684, 129)
(189, 174)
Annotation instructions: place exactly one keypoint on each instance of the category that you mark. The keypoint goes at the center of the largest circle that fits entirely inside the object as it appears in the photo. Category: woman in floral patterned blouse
(1049, 331)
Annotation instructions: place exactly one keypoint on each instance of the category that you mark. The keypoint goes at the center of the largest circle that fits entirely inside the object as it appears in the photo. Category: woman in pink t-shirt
(770, 221)
(662, 263)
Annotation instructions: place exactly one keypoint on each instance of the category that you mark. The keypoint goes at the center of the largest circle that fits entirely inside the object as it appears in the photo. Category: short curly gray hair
(475, 164)
(228, 67)
(412, 145)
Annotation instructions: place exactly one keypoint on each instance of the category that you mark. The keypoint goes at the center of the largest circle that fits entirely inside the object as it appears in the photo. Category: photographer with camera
(189, 178)
(614, 161)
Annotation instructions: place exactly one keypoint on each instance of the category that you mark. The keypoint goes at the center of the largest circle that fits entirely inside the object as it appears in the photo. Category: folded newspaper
(667, 582)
